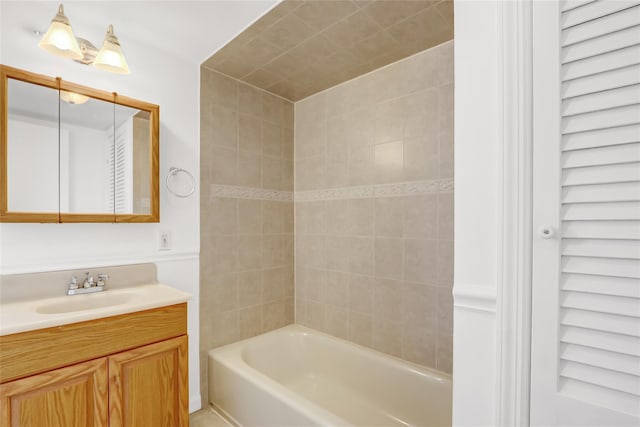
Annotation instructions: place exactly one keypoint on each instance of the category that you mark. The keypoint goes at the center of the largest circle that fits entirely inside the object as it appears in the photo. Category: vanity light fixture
(61, 41)
(73, 98)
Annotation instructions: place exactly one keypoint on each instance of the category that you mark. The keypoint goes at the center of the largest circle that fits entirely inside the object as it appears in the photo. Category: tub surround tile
(250, 220)
(336, 322)
(387, 336)
(250, 321)
(421, 260)
(247, 213)
(274, 315)
(251, 166)
(420, 346)
(224, 165)
(316, 315)
(361, 328)
(388, 301)
(361, 217)
(374, 228)
(337, 289)
(420, 305)
(387, 212)
(223, 327)
(389, 258)
(249, 288)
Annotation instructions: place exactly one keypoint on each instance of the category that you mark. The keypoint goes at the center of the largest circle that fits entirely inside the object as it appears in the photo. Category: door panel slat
(606, 192)
(600, 322)
(616, 154)
(572, 4)
(602, 119)
(602, 377)
(599, 45)
(624, 344)
(604, 100)
(597, 83)
(629, 249)
(622, 306)
(600, 64)
(601, 358)
(614, 267)
(593, 11)
(617, 286)
(602, 138)
(601, 174)
(608, 24)
(601, 211)
(601, 229)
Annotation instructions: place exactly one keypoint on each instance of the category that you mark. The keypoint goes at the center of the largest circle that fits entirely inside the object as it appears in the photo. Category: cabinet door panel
(149, 386)
(75, 396)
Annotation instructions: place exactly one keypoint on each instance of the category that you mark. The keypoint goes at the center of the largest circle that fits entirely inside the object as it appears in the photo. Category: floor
(207, 418)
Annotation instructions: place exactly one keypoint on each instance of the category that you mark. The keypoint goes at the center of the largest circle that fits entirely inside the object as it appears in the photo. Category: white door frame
(515, 192)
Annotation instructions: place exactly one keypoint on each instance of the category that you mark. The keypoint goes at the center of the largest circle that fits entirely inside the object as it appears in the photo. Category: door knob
(546, 232)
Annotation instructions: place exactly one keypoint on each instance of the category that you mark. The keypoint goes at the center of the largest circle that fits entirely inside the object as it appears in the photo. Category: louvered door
(585, 357)
(119, 181)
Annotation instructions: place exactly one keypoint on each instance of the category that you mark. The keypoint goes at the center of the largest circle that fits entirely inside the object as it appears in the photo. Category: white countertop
(35, 314)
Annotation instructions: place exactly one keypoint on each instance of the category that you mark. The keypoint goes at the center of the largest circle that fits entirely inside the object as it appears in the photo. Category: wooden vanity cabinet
(142, 382)
(148, 386)
(75, 396)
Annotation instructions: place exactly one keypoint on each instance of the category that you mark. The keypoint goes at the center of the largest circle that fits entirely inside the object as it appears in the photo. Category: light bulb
(110, 57)
(59, 38)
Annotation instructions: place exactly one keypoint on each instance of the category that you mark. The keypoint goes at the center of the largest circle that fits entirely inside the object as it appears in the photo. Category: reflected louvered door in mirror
(585, 357)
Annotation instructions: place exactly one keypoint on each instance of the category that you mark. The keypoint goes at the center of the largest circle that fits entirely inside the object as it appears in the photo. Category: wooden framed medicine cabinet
(71, 153)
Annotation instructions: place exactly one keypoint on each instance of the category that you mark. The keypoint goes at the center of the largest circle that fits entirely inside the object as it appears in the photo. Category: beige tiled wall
(246, 242)
(379, 270)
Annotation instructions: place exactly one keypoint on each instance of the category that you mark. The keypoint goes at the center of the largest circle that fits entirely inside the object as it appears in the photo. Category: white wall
(477, 179)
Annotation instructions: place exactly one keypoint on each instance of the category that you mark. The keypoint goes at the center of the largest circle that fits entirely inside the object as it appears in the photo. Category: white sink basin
(34, 314)
(84, 302)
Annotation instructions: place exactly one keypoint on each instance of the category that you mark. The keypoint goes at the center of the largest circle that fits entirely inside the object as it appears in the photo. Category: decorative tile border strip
(357, 192)
(236, 192)
(381, 190)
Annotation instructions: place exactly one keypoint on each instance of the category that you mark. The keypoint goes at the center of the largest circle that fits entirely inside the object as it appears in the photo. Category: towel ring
(174, 171)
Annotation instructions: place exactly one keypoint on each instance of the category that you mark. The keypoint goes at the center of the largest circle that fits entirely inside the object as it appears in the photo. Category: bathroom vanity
(96, 369)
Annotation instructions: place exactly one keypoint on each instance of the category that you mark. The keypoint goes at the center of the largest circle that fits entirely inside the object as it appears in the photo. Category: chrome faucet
(89, 285)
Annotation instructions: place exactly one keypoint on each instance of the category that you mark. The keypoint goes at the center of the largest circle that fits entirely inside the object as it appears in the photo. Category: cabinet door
(75, 396)
(148, 386)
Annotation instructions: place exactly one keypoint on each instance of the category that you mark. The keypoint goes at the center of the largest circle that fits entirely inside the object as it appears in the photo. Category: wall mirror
(70, 153)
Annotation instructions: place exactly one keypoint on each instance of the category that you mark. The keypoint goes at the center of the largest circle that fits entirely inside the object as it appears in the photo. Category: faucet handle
(74, 283)
(102, 278)
(88, 281)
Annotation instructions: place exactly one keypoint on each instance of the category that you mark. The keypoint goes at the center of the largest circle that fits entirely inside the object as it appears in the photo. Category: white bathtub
(295, 376)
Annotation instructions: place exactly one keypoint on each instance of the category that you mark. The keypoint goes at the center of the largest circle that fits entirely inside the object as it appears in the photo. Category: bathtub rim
(231, 357)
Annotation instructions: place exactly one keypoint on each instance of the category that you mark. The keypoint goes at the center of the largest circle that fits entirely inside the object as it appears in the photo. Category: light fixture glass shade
(73, 98)
(110, 57)
(59, 38)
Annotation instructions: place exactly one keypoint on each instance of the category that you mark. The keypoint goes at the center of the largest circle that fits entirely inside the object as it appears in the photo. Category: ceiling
(301, 47)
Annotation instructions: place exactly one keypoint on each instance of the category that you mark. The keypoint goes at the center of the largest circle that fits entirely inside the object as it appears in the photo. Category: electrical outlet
(165, 241)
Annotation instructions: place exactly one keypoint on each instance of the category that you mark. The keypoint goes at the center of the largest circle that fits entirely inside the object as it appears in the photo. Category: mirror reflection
(32, 149)
(70, 153)
(131, 158)
(86, 136)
